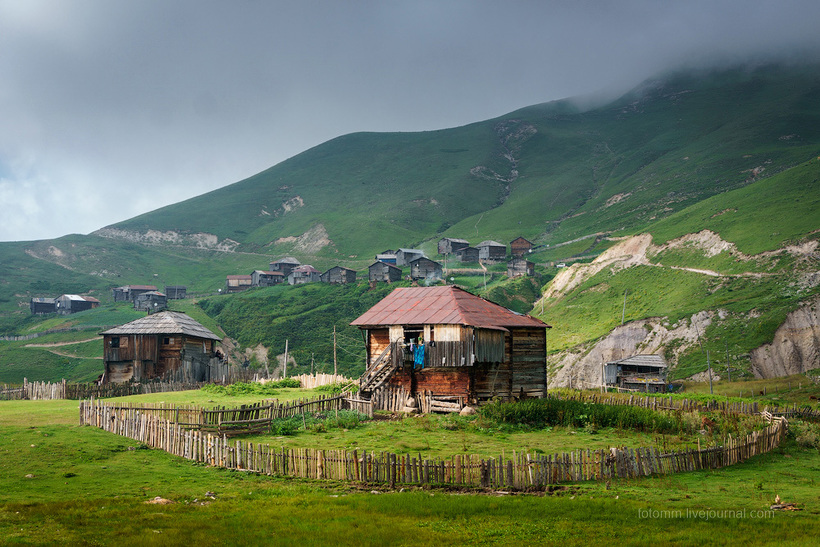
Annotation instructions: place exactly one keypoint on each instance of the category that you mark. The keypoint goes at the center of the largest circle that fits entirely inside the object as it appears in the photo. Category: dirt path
(57, 344)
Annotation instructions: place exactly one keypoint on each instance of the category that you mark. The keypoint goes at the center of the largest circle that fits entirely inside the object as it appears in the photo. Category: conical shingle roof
(165, 322)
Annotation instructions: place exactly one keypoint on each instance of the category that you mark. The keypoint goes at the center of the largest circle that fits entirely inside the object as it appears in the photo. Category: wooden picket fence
(518, 471)
(394, 399)
(310, 381)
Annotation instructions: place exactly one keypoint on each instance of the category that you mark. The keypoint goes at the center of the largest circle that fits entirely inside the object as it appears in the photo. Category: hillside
(733, 152)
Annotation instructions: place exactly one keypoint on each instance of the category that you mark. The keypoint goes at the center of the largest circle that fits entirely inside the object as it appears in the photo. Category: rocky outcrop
(795, 348)
(199, 240)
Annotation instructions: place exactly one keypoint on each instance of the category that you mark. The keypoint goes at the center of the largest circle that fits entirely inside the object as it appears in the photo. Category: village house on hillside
(451, 343)
(151, 301)
(43, 305)
(304, 274)
(72, 303)
(645, 373)
(518, 267)
(128, 293)
(285, 265)
(426, 269)
(492, 251)
(467, 254)
(238, 283)
(383, 272)
(388, 257)
(176, 292)
(338, 275)
(156, 345)
(406, 256)
(450, 245)
(520, 246)
(261, 278)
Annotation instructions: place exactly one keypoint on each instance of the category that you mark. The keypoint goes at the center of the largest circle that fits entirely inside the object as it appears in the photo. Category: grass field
(65, 484)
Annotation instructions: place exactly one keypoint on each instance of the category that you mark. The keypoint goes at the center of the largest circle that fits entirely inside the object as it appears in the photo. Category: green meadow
(61, 483)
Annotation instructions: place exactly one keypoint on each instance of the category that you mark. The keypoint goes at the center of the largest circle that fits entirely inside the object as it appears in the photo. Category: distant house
(383, 272)
(406, 256)
(339, 275)
(151, 301)
(238, 283)
(518, 267)
(176, 292)
(424, 268)
(43, 305)
(472, 349)
(645, 373)
(492, 251)
(128, 293)
(73, 303)
(304, 274)
(388, 257)
(261, 278)
(285, 265)
(467, 254)
(450, 245)
(156, 345)
(520, 246)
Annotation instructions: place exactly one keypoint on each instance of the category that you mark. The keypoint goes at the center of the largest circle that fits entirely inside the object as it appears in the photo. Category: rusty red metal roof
(442, 306)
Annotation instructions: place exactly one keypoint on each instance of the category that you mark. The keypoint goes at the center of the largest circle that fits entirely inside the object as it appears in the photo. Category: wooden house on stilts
(447, 342)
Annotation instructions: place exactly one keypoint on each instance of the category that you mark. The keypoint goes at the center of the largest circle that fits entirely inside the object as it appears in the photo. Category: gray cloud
(111, 109)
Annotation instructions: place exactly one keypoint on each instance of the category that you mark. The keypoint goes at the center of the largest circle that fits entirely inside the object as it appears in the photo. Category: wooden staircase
(379, 372)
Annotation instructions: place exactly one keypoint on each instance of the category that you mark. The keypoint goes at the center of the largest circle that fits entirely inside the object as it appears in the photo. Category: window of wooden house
(167, 341)
(114, 342)
(411, 334)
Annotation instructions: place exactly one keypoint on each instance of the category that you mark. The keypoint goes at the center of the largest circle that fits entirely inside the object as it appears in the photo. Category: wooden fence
(310, 381)
(519, 471)
(244, 419)
(394, 399)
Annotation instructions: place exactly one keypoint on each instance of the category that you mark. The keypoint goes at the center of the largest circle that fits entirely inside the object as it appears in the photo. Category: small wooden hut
(157, 344)
(151, 301)
(338, 275)
(304, 274)
(470, 348)
(467, 254)
(520, 246)
(426, 269)
(450, 245)
(383, 271)
(643, 372)
(176, 292)
(238, 283)
(492, 251)
(262, 278)
(43, 305)
(285, 265)
(406, 256)
(518, 267)
(73, 303)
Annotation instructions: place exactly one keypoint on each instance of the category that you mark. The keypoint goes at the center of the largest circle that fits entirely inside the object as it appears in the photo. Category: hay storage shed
(158, 344)
(472, 348)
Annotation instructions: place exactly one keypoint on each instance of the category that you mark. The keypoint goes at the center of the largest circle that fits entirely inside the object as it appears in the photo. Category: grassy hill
(733, 151)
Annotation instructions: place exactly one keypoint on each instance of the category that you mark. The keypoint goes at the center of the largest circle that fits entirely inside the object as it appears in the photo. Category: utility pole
(728, 368)
(311, 364)
(709, 364)
(285, 373)
(335, 364)
(623, 311)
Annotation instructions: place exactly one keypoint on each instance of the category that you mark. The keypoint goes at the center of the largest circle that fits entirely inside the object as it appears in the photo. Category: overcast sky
(109, 109)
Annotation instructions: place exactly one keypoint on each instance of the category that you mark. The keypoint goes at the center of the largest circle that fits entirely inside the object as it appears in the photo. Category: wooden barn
(155, 345)
(520, 246)
(176, 292)
(406, 256)
(426, 269)
(338, 275)
(304, 274)
(451, 343)
(492, 251)
(128, 293)
(238, 283)
(285, 265)
(383, 271)
(388, 257)
(151, 301)
(72, 303)
(518, 267)
(467, 254)
(645, 373)
(451, 245)
(262, 278)
(43, 305)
